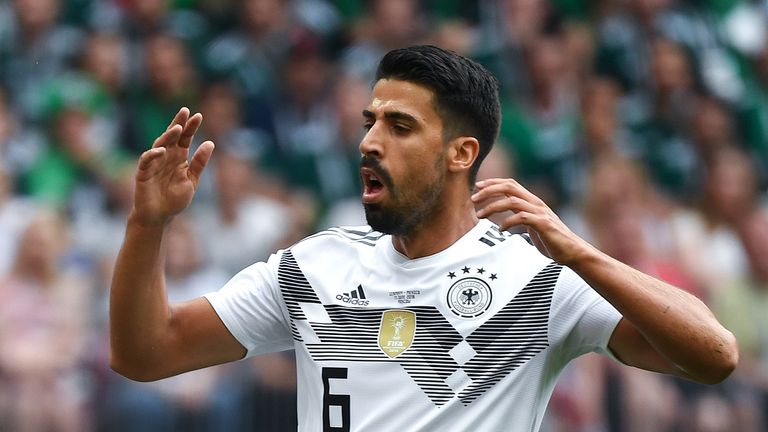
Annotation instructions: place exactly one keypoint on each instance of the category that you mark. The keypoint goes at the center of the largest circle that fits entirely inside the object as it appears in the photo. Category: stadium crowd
(643, 122)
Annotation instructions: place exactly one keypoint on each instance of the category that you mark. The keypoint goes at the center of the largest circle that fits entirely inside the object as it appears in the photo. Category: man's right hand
(166, 179)
(151, 339)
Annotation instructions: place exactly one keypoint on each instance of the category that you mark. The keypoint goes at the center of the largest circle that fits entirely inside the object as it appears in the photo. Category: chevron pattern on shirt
(353, 335)
(296, 289)
(513, 336)
(499, 346)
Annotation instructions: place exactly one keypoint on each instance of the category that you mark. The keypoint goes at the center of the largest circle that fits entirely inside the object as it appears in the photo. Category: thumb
(200, 160)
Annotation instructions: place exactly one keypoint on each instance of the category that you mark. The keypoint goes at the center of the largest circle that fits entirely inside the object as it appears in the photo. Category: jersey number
(334, 400)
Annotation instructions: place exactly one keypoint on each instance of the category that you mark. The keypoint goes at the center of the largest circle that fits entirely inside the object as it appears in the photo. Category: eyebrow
(392, 115)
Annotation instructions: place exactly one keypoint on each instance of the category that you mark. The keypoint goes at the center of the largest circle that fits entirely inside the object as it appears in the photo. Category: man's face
(403, 163)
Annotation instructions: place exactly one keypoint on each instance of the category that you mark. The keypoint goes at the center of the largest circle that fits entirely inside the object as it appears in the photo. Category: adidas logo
(355, 297)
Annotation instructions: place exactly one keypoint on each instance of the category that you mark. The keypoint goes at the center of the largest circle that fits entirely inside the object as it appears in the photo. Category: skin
(151, 339)
(664, 329)
(405, 137)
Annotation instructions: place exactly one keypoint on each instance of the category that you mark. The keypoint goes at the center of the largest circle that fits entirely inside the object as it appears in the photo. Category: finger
(514, 204)
(522, 218)
(488, 188)
(169, 137)
(534, 236)
(487, 182)
(525, 193)
(200, 160)
(504, 187)
(191, 126)
(483, 184)
(180, 118)
(147, 166)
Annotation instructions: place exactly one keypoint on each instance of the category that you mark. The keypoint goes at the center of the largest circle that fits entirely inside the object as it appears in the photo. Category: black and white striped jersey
(471, 338)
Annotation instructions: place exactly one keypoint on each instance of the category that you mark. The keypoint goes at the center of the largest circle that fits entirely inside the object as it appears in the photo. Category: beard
(406, 210)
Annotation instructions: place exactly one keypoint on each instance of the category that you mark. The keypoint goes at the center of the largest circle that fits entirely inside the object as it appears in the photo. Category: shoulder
(514, 251)
(497, 241)
(362, 234)
(343, 238)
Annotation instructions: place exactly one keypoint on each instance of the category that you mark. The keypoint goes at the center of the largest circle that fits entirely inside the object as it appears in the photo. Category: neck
(442, 230)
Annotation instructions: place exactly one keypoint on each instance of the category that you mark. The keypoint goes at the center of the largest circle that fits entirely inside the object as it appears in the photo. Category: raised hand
(550, 235)
(166, 179)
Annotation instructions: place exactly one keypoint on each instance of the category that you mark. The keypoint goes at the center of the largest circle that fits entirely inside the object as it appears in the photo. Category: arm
(149, 338)
(664, 329)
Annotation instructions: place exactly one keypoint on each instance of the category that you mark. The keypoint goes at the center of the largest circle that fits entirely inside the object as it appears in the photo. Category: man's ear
(461, 154)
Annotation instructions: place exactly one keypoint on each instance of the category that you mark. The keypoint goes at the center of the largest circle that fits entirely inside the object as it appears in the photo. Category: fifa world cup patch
(396, 331)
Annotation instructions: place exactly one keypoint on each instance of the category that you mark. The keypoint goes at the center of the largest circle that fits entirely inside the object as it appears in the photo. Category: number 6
(330, 400)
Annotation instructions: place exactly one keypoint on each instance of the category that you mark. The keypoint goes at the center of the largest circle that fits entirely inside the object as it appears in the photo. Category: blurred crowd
(644, 123)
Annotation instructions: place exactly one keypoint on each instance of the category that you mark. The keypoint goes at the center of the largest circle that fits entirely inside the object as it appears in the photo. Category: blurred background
(644, 123)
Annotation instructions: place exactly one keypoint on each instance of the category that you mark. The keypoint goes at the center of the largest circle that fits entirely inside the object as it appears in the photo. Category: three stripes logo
(356, 297)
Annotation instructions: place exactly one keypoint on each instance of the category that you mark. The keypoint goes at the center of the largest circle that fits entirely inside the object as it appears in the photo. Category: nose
(371, 144)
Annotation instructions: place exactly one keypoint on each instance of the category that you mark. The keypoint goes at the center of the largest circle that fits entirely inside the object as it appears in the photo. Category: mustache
(374, 165)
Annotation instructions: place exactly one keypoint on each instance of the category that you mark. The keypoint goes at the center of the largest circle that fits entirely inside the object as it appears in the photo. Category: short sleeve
(582, 321)
(251, 307)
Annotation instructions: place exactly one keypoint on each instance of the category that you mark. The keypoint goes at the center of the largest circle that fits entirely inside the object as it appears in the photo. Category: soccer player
(432, 317)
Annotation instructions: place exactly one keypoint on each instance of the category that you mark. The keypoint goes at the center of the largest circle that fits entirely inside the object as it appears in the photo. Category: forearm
(675, 323)
(149, 338)
(139, 310)
(664, 328)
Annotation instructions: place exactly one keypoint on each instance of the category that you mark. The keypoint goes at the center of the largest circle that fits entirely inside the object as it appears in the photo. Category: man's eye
(400, 128)
(367, 126)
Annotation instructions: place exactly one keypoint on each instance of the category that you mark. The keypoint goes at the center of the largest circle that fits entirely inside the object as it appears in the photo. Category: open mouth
(373, 187)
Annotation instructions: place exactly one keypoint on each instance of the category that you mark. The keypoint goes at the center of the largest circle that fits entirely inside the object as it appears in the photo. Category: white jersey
(471, 338)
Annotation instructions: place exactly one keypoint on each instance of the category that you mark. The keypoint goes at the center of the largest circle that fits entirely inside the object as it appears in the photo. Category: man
(432, 318)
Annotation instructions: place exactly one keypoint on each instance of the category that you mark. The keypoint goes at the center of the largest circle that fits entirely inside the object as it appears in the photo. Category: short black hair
(466, 94)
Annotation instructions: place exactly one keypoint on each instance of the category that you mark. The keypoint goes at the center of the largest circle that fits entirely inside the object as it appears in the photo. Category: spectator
(665, 150)
(44, 306)
(753, 112)
(627, 220)
(34, 48)
(708, 246)
(602, 130)
(625, 39)
(105, 60)
(621, 228)
(508, 28)
(251, 53)
(309, 154)
(202, 401)
(601, 96)
(170, 80)
(349, 93)
(20, 144)
(15, 213)
(541, 128)
(741, 306)
(143, 19)
(76, 158)
(257, 223)
(387, 24)
(711, 129)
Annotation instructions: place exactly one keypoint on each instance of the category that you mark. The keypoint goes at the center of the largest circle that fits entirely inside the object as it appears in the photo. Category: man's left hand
(550, 235)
